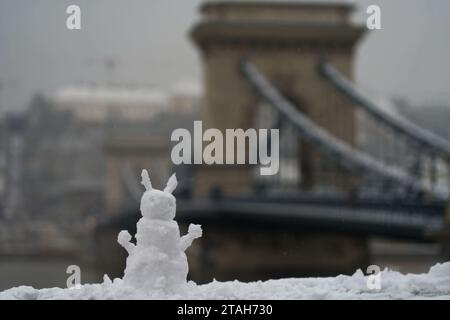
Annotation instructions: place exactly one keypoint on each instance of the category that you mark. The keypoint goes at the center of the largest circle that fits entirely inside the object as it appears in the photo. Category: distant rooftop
(77, 94)
(100, 103)
(324, 2)
(278, 11)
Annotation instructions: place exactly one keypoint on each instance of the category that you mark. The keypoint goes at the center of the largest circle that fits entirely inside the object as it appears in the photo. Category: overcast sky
(148, 40)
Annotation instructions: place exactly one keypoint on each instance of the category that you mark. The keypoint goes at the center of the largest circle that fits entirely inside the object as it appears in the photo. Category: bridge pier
(245, 253)
(230, 182)
(287, 42)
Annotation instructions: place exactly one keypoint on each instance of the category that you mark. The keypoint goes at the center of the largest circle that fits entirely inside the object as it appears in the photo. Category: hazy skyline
(149, 42)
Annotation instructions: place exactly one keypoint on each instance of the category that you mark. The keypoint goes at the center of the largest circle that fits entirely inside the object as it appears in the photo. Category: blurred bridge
(350, 168)
(288, 66)
(405, 197)
(393, 199)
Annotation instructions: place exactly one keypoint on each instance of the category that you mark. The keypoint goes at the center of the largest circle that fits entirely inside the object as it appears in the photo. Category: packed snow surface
(157, 269)
(433, 285)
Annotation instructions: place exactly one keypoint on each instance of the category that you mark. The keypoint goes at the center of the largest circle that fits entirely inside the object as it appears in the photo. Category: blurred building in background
(58, 159)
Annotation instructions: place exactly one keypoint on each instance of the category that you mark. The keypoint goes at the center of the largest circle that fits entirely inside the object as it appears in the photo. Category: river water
(41, 272)
(47, 272)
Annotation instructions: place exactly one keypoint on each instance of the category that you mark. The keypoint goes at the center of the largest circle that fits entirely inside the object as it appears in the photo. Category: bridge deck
(419, 223)
(406, 221)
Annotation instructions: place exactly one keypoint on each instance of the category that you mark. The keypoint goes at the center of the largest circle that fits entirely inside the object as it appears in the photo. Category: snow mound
(433, 285)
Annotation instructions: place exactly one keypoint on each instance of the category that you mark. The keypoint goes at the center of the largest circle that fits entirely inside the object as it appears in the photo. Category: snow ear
(146, 180)
(171, 184)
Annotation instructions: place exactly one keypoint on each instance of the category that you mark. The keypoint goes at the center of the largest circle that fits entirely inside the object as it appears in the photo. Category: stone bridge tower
(286, 40)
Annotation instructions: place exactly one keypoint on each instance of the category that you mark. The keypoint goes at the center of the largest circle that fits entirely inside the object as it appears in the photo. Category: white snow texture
(157, 268)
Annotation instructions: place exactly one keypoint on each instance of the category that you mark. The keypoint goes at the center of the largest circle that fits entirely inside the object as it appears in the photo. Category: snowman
(157, 261)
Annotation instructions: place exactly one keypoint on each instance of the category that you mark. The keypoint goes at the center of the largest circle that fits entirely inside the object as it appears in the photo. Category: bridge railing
(395, 139)
(425, 138)
(354, 160)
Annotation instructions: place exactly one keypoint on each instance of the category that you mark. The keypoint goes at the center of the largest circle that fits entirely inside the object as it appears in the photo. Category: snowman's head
(157, 204)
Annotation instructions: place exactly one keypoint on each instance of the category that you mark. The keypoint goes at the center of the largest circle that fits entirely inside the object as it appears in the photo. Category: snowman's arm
(194, 232)
(186, 241)
(123, 239)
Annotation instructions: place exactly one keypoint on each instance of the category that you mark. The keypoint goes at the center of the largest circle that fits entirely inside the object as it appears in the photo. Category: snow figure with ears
(157, 261)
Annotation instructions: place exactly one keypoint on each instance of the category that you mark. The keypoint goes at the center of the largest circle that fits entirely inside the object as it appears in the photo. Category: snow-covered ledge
(157, 269)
